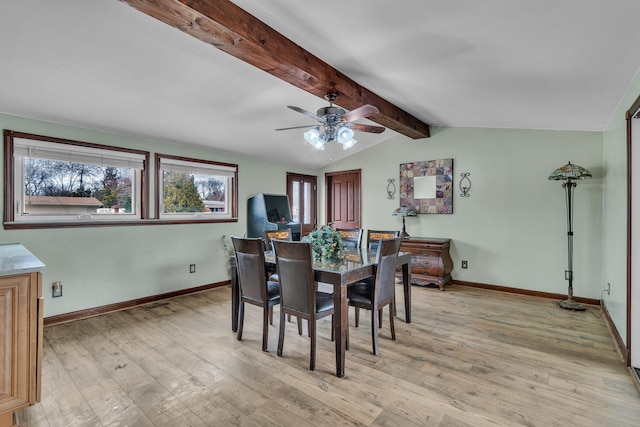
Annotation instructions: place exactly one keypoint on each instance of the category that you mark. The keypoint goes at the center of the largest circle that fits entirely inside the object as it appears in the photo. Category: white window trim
(23, 147)
(77, 153)
(195, 166)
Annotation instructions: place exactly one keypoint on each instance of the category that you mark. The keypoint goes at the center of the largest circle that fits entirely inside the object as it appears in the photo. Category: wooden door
(303, 195)
(343, 199)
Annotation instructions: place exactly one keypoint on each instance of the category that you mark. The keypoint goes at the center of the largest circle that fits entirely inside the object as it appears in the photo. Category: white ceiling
(539, 64)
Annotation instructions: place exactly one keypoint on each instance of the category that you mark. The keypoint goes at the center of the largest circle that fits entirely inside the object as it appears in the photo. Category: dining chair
(299, 295)
(351, 237)
(284, 234)
(254, 286)
(374, 237)
(375, 296)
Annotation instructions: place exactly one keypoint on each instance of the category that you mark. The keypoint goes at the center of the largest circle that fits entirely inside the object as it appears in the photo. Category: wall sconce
(465, 184)
(391, 189)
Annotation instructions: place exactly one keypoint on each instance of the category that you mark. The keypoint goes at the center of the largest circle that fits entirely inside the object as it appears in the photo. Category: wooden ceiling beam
(231, 29)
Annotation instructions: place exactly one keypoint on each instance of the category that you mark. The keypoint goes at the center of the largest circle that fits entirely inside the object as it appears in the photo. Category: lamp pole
(569, 173)
(569, 303)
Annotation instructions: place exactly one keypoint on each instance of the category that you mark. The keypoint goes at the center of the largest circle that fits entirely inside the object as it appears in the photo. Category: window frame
(11, 176)
(196, 217)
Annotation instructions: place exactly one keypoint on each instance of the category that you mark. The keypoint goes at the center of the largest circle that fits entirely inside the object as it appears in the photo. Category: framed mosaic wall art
(427, 186)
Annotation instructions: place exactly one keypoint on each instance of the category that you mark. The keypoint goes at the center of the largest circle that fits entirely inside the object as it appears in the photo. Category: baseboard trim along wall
(625, 353)
(622, 349)
(560, 297)
(96, 311)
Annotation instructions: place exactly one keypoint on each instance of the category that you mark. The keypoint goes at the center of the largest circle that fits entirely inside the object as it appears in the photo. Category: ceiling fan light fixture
(312, 136)
(315, 138)
(345, 135)
(348, 144)
(336, 124)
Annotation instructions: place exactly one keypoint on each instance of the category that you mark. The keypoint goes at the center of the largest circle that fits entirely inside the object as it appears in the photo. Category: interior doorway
(303, 195)
(343, 199)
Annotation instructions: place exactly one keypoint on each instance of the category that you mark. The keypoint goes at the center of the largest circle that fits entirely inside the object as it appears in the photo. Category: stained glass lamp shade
(569, 173)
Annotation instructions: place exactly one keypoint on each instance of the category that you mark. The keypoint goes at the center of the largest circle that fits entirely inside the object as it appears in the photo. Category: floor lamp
(569, 173)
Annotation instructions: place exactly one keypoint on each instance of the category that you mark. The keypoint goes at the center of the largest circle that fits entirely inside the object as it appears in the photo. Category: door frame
(635, 107)
(329, 192)
(292, 176)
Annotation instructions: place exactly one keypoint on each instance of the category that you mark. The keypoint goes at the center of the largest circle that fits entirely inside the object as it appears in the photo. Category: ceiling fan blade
(305, 112)
(360, 112)
(297, 127)
(366, 128)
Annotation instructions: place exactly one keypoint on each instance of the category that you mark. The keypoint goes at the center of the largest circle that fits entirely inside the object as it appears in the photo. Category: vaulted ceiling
(113, 66)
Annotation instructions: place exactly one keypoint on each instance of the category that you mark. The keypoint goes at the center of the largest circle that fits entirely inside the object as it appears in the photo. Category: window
(302, 190)
(194, 189)
(63, 181)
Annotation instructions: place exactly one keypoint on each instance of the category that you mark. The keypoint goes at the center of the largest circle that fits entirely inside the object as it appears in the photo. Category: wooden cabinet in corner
(431, 263)
(21, 326)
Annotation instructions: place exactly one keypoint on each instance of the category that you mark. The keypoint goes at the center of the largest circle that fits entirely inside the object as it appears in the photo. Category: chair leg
(288, 318)
(299, 325)
(374, 331)
(393, 328)
(357, 316)
(395, 313)
(240, 321)
(266, 313)
(380, 318)
(281, 334)
(271, 315)
(311, 323)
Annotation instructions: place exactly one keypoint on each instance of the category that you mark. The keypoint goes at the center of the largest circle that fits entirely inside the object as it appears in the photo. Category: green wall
(104, 265)
(512, 229)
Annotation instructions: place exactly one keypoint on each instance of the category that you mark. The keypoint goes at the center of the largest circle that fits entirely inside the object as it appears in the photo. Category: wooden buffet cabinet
(431, 263)
(21, 326)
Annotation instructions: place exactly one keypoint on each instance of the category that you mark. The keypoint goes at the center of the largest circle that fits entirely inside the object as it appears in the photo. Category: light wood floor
(470, 357)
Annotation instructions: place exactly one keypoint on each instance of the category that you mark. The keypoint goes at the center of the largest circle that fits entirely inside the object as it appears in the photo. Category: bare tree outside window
(110, 185)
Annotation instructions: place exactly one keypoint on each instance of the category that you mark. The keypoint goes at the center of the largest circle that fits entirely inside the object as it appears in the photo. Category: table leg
(406, 282)
(235, 296)
(340, 325)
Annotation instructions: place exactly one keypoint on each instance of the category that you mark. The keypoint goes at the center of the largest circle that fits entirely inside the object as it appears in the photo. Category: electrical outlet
(56, 290)
(464, 264)
(608, 288)
(192, 268)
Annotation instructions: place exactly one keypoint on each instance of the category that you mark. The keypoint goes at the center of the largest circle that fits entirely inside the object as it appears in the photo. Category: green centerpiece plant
(325, 242)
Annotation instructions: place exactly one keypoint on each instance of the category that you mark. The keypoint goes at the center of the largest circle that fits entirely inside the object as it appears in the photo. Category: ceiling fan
(335, 123)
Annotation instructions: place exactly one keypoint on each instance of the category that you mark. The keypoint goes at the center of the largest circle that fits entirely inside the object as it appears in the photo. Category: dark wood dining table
(352, 266)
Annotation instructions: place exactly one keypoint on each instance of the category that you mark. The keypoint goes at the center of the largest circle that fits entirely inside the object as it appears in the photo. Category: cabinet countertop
(16, 259)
